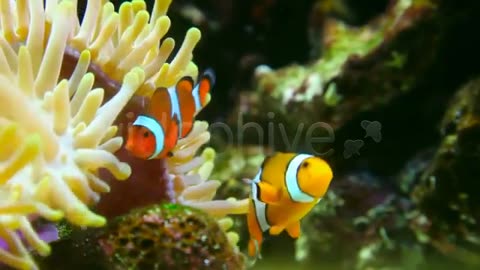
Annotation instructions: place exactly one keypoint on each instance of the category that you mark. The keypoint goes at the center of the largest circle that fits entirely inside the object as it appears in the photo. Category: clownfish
(169, 117)
(285, 189)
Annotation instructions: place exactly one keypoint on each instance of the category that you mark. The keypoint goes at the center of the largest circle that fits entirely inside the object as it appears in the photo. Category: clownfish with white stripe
(169, 117)
(285, 189)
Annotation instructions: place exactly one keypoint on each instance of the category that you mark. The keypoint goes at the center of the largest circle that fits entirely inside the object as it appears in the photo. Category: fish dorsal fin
(185, 84)
(203, 88)
(160, 106)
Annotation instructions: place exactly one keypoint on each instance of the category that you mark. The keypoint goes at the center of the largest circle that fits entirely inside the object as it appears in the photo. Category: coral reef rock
(164, 236)
(357, 216)
(446, 191)
(363, 69)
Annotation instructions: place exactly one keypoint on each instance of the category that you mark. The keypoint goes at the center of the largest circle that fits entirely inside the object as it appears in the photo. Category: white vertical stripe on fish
(293, 188)
(196, 97)
(153, 126)
(175, 101)
(260, 207)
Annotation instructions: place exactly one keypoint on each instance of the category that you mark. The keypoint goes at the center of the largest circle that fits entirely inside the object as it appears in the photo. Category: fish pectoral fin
(268, 193)
(294, 230)
(276, 229)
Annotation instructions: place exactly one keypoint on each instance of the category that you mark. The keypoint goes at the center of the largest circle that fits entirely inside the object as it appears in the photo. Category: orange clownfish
(285, 189)
(169, 117)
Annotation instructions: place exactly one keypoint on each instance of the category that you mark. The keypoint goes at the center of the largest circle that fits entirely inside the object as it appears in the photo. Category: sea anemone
(190, 182)
(190, 173)
(56, 130)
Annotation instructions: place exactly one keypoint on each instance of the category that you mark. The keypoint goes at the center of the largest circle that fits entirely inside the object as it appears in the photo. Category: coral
(348, 78)
(162, 236)
(169, 236)
(239, 162)
(342, 43)
(234, 164)
(57, 126)
(359, 216)
(449, 215)
(416, 60)
(427, 219)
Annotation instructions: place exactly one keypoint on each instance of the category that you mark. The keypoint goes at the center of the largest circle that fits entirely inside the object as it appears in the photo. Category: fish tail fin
(211, 75)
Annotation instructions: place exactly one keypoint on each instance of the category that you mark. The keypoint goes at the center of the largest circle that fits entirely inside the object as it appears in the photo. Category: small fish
(285, 189)
(170, 116)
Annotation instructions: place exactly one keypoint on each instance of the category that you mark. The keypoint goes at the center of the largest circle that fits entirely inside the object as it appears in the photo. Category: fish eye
(146, 134)
(305, 164)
